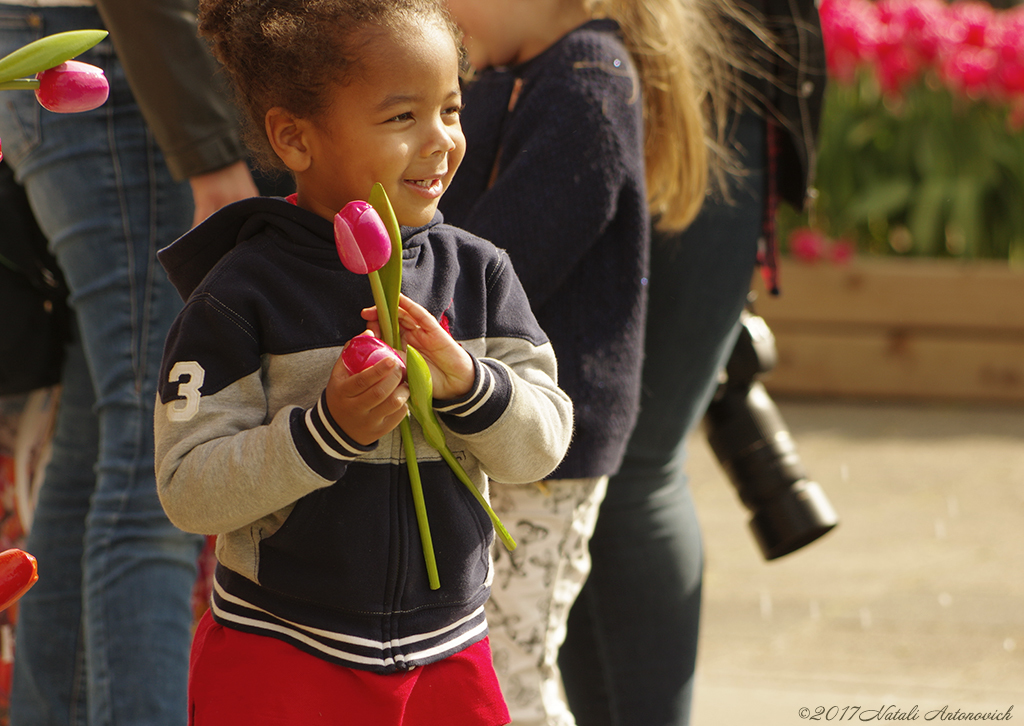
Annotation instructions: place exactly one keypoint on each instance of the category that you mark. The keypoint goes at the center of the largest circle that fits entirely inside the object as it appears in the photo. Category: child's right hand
(368, 404)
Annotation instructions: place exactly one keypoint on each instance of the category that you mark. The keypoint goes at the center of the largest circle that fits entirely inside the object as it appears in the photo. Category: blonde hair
(689, 65)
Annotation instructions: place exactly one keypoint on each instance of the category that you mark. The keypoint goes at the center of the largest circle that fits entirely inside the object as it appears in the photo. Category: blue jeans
(629, 655)
(103, 638)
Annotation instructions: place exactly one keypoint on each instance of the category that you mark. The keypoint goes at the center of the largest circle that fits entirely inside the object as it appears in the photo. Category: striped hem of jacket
(353, 651)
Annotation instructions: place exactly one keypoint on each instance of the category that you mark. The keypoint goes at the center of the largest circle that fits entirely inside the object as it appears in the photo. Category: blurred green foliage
(931, 173)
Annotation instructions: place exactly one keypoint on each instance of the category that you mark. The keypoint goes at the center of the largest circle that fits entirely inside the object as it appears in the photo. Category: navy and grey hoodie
(318, 543)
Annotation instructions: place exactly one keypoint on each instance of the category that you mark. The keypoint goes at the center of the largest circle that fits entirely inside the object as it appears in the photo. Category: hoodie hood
(188, 259)
(195, 253)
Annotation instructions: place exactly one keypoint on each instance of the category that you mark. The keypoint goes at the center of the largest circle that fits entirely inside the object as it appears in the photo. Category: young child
(582, 119)
(321, 611)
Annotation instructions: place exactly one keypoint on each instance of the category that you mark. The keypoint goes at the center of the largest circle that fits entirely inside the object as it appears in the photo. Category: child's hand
(370, 403)
(451, 367)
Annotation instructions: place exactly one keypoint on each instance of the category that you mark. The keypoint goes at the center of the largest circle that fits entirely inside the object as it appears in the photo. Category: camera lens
(749, 437)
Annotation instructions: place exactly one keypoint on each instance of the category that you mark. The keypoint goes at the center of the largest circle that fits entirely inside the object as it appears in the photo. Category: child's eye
(407, 116)
(454, 110)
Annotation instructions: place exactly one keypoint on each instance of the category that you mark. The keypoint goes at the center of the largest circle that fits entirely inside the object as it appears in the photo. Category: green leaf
(925, 217)
(880, 199)
(966, 214)
(47, 52)
(391, 273)
(932, 156)
(421, 398)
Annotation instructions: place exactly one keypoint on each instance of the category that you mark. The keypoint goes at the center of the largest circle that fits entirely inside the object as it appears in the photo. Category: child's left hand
(451, 367)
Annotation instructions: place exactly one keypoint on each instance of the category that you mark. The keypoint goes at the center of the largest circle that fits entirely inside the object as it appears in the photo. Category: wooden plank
(893, 366)
(917, 293)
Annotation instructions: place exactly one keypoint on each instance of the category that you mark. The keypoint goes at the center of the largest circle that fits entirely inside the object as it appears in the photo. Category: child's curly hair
(288, 52)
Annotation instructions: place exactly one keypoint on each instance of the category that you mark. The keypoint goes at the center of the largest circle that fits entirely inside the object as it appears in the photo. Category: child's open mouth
(430, 188)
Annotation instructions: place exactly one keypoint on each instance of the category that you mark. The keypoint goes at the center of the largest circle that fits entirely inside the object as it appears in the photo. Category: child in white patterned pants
(534, 588)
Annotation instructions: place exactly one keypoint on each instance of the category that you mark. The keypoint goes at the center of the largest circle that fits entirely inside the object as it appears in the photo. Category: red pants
(240, 679)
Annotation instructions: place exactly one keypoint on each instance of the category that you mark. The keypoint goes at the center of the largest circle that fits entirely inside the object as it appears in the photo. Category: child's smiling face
(397, 123)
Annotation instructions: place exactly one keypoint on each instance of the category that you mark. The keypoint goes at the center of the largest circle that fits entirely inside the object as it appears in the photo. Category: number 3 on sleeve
(188, 389)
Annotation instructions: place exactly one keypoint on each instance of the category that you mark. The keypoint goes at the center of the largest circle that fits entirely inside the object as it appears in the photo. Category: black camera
(749, 437)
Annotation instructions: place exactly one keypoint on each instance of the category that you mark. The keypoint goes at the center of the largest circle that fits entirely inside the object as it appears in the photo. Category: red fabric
(241, 679)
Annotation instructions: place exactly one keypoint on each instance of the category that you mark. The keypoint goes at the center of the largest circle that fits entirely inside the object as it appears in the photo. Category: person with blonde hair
(630, 652)
(583, 120)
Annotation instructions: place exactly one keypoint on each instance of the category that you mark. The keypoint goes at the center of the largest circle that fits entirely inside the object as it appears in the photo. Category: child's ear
(286, 134)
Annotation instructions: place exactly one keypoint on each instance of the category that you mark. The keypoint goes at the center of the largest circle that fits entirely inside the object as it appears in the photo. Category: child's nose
(440, 141)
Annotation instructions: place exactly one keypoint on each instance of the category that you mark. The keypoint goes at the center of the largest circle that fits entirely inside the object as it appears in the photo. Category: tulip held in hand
(18, 573)
(368, 240)
(60, 84)
(364, 247)
(47, 52)
(362, 242)
(72, 87)
(365, 350)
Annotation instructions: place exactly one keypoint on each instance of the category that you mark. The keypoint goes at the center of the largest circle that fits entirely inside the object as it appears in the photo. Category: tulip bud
(365, 350)
(72, 87)
(361, 238)
(421, 399)
(17, 574)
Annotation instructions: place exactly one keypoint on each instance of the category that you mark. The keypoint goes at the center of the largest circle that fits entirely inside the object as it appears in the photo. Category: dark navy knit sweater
(568, 203)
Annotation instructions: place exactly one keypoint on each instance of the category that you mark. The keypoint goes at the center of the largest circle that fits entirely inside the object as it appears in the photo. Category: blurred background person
(104, 636)
(630, 652)
(583, 119)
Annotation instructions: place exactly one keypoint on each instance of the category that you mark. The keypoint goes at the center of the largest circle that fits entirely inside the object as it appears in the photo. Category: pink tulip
(850, 29)
(1008, 42)
(807, 244)
(18, 573)
(969, 23)
(1009, 34)
(362, 240)
(72, 87)
(897, 67)
(924, 20)
(907, 41)
(1011, 78)
(842, 251)
(970, 69)
(365, 350)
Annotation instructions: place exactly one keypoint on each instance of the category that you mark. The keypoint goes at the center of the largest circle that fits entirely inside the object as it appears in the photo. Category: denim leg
(107, 203)
(49, 674)
(630, 652)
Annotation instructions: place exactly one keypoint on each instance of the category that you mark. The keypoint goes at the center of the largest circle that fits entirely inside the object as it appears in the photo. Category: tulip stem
(20, 84)
(421, 509)
(383, 314)
(460, 473)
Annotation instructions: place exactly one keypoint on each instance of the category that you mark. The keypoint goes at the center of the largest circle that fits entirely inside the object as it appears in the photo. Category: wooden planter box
(898, 329)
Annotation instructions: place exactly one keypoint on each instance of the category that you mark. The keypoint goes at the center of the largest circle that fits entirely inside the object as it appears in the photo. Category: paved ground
(915, 600)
